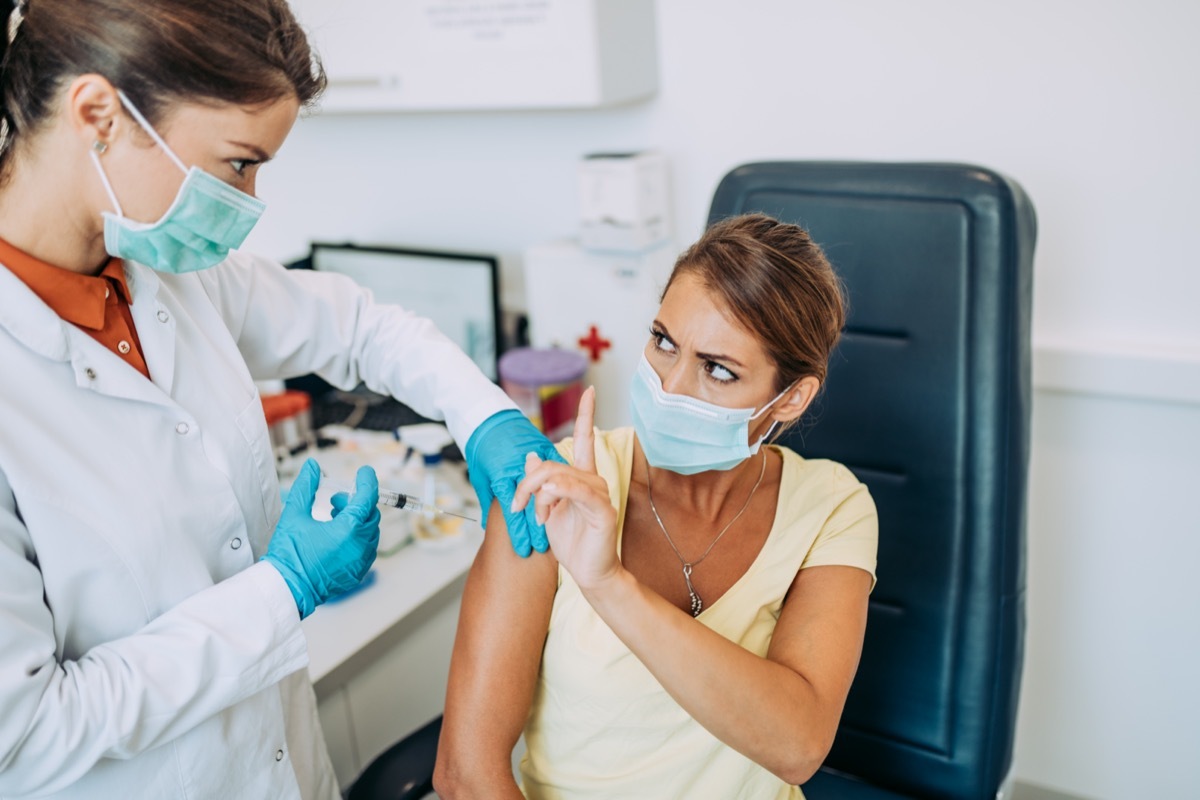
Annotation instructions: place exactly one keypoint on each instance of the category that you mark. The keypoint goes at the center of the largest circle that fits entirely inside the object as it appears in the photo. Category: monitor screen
(459, 292)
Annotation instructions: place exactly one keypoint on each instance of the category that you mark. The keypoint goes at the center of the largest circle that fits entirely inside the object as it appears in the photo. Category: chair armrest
(402, 772)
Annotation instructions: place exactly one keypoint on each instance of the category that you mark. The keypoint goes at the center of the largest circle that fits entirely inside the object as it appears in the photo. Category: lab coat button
(182, 428)
(279, 755)
(91, 373)
(236, 543)
(123, 347)
(163, 316)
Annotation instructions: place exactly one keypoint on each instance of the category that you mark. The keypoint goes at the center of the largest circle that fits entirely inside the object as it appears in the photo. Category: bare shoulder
(506, 574)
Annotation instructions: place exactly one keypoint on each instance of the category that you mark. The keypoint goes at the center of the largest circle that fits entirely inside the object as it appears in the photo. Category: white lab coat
(144, 649)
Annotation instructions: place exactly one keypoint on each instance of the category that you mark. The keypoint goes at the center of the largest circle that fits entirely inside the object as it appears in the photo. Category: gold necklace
(697, 603)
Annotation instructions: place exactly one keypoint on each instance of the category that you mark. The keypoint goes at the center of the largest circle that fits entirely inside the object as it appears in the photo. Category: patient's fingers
(538, 472)
(544, 502)
(526, 486)
(575, 488)
(535, 476)
(585, 447)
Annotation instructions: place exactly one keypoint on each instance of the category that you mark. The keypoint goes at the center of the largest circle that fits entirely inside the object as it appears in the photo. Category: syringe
(398, 500)
(410, 503)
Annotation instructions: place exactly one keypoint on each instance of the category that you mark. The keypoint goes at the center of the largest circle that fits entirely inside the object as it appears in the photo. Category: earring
(99, 146)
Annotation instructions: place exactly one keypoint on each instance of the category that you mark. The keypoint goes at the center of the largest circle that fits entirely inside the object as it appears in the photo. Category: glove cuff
(486, 427)
(305, 603)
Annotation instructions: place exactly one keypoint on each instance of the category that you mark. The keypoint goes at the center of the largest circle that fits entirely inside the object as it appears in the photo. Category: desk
(380, 659)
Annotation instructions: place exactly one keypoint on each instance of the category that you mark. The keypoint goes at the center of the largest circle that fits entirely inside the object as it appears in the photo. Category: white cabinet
(400, 685)
(458, 55)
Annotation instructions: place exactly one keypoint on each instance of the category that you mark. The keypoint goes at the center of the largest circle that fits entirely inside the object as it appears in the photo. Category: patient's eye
(719, 372)
(661, 342)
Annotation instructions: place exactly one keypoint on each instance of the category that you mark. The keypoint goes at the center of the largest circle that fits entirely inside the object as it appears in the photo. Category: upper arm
(294, 322)
(820, 632)
(497, 652)
(821, 627)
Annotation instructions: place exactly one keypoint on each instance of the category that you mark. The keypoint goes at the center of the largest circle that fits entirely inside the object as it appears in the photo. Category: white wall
(1110, 705)
(1093, 106)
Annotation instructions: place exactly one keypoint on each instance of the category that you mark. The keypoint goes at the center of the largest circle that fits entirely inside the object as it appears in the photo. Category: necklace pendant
(697, 603)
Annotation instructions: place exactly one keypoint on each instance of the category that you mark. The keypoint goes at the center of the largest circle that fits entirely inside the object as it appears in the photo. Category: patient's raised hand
(574, 505)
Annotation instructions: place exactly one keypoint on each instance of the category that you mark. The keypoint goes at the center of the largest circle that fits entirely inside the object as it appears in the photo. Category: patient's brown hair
(778, 284)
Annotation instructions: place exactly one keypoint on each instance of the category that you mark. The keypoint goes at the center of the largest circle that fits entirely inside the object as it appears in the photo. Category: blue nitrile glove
(338, 502)
(321, 559)
(496, 464)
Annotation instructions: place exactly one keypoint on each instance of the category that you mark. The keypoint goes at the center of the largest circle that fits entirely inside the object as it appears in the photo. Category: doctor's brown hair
(778, 285)
(158, 52)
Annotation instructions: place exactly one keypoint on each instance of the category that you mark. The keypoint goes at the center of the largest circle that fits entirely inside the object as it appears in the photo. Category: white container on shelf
(623, 201)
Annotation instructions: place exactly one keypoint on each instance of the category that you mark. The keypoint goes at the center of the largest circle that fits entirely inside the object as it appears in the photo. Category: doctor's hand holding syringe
(320, 560)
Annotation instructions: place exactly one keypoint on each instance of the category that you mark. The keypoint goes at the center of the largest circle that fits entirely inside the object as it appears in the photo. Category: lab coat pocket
(252, 422)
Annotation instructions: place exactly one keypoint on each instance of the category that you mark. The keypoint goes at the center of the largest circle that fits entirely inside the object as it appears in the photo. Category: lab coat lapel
(95, 367)
(100, 370)
(155, 325)
(29, 320)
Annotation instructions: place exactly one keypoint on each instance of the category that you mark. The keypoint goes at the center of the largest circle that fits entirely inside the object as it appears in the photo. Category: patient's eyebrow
(719, 357)
(657, 327)
(662, 330)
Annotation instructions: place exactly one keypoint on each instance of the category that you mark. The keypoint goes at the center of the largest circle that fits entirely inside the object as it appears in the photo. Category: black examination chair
(927, 401)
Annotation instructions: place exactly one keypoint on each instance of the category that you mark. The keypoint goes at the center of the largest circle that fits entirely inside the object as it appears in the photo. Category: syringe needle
(390, 499)
(453, 514)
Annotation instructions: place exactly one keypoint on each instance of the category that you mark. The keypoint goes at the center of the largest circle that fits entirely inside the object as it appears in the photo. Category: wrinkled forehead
(698, 318)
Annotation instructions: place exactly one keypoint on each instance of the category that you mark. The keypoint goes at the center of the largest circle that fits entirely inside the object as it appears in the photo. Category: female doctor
(151, 585)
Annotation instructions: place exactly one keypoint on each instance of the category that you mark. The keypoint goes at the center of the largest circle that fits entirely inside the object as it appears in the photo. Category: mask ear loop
(774, 423)
(137, 115)
(775, 400)
(112, 196)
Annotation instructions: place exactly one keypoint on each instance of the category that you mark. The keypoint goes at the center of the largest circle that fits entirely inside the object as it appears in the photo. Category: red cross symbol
(594, 343)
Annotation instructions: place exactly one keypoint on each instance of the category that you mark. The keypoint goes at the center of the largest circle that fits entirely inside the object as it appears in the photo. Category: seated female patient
(695, 627)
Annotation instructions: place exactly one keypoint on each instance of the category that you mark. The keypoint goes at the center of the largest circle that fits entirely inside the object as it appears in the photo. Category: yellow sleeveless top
(602, 726)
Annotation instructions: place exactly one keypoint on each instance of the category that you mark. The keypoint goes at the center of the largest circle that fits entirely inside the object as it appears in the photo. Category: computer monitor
(459, 292)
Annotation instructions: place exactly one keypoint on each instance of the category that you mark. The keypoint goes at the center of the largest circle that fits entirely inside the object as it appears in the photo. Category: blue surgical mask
(686, 435)
(207, 219)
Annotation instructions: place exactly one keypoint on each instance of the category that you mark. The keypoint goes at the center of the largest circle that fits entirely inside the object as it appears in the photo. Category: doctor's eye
(719, 372)
(661, 342)
(240, 165)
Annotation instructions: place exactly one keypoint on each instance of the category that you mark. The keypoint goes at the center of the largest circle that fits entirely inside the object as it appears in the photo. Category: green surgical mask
(207, 219)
